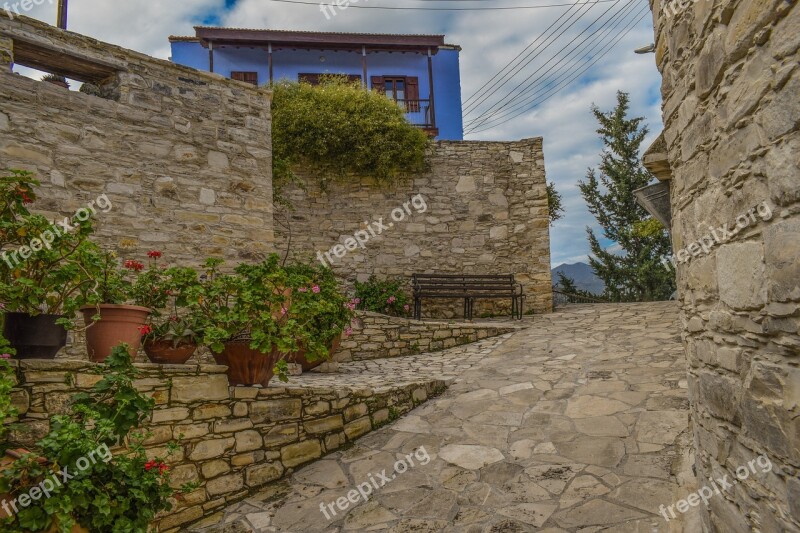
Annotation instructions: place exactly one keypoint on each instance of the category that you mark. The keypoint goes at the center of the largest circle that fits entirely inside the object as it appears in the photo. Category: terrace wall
(183, 155)
(232, 439)
(486, 213)
(732, 114)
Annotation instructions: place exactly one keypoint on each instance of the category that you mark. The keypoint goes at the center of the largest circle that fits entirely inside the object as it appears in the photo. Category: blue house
(420, 72)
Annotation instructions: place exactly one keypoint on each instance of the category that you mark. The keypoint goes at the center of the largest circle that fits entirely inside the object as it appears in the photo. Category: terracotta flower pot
(118, 324)
(164, 352)
(245, 365)
(299, 357)
(34, 337)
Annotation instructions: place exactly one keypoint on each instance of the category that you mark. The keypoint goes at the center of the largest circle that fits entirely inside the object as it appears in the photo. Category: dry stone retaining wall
(731, 80)
(232, 439)
(377, 336)
(486, 214)
(184, 156)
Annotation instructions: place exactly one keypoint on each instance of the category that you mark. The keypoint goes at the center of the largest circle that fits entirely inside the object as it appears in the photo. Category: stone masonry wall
(232, 439)
(377, 336)
(486, 214)
(731, 92)
(184, 156)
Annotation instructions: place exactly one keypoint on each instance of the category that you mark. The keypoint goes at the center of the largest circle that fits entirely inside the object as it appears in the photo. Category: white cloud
(489, 41)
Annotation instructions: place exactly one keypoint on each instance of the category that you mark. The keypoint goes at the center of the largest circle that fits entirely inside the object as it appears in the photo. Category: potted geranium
(242, 318)
(112, 314)
(170, 335)
(41, 279)
(320, 311)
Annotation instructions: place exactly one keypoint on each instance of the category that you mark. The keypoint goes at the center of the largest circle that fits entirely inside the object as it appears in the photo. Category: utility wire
(532, 99)
(477, 93)
(502, 8)
(621, 36)
(529, 57)
(510, 98)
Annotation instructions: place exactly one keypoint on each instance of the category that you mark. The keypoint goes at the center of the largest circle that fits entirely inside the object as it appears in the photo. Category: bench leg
(417, 309)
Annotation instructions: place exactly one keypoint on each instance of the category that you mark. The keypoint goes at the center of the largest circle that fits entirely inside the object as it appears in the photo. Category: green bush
(388, 297)
(338, 130)
(110, 488)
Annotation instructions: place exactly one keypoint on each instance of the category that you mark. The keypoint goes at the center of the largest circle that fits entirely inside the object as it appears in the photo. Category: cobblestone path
(579, 423)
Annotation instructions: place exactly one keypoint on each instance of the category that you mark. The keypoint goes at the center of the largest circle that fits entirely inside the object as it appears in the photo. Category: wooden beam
(210, 57)
(364, 66)
(269, 54)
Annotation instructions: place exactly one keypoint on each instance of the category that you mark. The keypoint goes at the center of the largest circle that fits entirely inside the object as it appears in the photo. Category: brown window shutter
(247, 77)
(412, 94)
(378, 84)
(311, 79)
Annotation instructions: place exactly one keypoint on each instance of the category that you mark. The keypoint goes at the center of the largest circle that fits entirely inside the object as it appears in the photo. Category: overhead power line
(482, 95)
(396, 8)
(644, 13)
(512, 97)
(531, 57)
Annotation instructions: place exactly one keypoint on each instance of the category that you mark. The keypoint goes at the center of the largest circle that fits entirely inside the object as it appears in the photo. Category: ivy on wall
(339, 131)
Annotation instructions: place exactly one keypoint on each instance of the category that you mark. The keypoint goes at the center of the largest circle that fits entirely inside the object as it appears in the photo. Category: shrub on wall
(388, 297)
(339, 130)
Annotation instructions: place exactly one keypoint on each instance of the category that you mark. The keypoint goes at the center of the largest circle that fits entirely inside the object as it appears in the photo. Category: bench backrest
(457, 284)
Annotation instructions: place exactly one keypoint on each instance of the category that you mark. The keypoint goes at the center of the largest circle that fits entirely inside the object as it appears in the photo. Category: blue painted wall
(289, 63)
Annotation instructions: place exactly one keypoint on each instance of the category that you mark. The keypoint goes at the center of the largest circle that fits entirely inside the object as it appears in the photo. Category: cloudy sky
(490, 40)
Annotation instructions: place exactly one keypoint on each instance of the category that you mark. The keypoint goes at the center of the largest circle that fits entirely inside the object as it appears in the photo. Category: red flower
(155, 254)
(150, 465)
(134, 265)
(145, 330)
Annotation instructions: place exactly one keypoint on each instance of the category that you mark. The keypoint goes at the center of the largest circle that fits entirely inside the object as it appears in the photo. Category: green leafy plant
(7, 383)
(166, 292)
(337, 130)
(40, 270)
(389, 297)
(114, 492)
(275, 307)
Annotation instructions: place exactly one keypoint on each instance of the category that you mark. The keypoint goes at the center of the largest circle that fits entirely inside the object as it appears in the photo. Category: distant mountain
(583, 276)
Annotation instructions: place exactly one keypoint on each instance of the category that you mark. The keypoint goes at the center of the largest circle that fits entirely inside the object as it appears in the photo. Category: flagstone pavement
(578, 423)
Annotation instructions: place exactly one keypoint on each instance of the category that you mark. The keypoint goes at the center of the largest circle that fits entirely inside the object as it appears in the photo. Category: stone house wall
(485, 212)
(184, 156)
(232, 439)
(377, 336)
(731, 107)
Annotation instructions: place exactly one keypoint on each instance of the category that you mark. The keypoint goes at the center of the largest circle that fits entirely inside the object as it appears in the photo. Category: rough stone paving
(579, 423)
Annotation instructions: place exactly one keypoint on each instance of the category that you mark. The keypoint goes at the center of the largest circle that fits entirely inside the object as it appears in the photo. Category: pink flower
(357, 301)
(302, 289)
(391, 300)
(407, 307)
(5, 356)
(348, 332)
(284, 310)
(315, 289)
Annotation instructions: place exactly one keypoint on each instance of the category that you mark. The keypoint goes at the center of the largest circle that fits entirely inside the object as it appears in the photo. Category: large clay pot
(34, 337)
(118, 324)
(299, 357)
(164, 352)
(245, 365)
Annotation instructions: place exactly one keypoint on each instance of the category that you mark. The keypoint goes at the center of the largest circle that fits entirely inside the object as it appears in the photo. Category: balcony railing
(418, 112)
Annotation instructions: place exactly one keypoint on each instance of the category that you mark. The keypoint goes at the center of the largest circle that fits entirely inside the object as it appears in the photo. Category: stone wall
(485, 213)
(184, 156)
(232, 439)
(377, 336)
(731, 109)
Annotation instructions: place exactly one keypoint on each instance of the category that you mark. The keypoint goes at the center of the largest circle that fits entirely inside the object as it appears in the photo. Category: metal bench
(469, 288)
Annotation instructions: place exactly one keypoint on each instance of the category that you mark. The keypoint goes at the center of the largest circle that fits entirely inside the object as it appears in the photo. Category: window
(314, 79)
(402, 89)
(247, 77)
